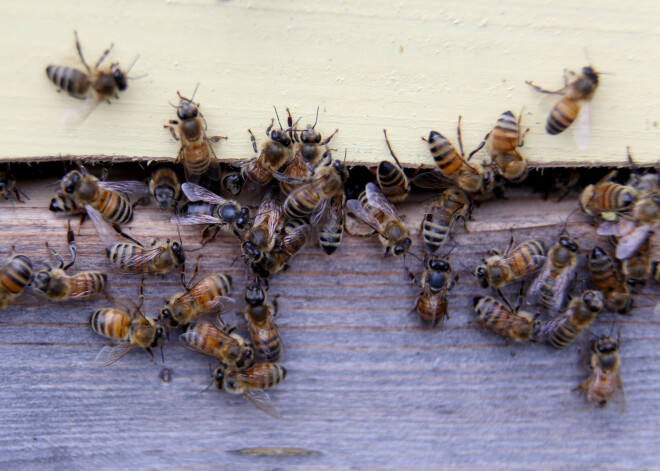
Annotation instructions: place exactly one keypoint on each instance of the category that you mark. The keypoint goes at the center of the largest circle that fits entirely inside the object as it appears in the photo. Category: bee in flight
(229, 348)
(80, 191)
(251, 382)
(196, 153)
(161, 257)
(259, 315)
(552, 283)
(431, 304)
(58, 286)
(392, 179)
(15, 276)
(93, 86)
(605, 377)
(165, 188)
(206, 207)
(580, 89)
(373, 209)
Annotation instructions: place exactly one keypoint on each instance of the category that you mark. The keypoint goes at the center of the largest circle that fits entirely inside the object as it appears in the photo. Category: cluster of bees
(302, 193)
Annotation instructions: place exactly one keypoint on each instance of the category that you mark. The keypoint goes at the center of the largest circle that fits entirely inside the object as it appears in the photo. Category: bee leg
(215, 139)
(171, 128)
(327, 139)
(80, 54)
(451, 285)
(190, 283)
(276, 307)
(543, 90)
(413, 277)
(254, 140)
(123, 234)
(464, 221)
(272, 122)
(18, 193)
(151, 354)
(57, 257)
(83, 216)
(479, 147)
(582, 386)
(460, 137)
(103, 56)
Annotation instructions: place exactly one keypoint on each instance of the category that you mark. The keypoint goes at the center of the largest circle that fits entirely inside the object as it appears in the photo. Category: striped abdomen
(114, 207)
(111, 323)
(196, 156)
(603, 273)
(562, 115)
(505, 134)
(15, 275)
(521, 259)
(87, 284)
(301, 201)
(614, 197)
(431, 307)
(445, 154)
(500, 320)
(72, 81)
(263, 332)
(392, 181)
(259, 376)
(257, 172)
(330, 231)
(436, 227)
(128, 257)
(203, 293)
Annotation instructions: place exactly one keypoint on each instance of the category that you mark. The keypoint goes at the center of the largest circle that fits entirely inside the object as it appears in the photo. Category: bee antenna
(131, 68)
(278, 117)
(345, 152)
(416, 256)
(317, 117)
(563, 230)
(586, 55)
(194, 93)
(450, 251)
(235, 258)
(173, 105)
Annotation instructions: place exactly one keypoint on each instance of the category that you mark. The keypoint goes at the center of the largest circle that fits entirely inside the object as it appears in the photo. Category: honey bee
(208, 339)
(263, 230)
(93, 86)
(449, 207)
(605, 376)
(206, 207)
(162, 256)
(502, 143)
(329, 220)
(327, 182)
(292, 239)
(196, 153)
(552, 283)
(374, 210)
(58, 286)
(208, 296)
(392, 179)
(259, 315)
(130, 328)
(164, 186)
(306, 153)
(8, 186)
(509, 322)
(500, 270)
(431, 304)
(579, 315)
(80, 191)
(607, 280)
(275, 154)
(637, 268)
(606, 199)
(581, 88)
(251, 382)
(15, 275)
(453, 169)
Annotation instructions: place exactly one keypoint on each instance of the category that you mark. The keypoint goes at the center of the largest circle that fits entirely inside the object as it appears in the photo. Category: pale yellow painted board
(410, 66)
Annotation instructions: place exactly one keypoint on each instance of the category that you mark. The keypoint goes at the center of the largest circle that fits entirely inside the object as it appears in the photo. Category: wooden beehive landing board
(367, 387)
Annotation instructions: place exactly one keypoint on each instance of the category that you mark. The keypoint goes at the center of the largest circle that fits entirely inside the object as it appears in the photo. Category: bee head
(120, 79)
(41, 280)
(280, 136)
(251, 251)
(591, 74)
(310, 135)
(218, 377)
(606, 344)
(179, 254)
(71, 181)
(186, 109)
(594, 300)
(402, 248)
(570, 244)
(167, 317)
(243, 219)
(254, 295)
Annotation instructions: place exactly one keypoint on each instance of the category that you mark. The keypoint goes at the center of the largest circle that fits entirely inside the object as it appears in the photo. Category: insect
(431, 304)
(259, 315)
(329, 220)
(58, 286)
(129, 328)
(196, 153)
(605, 376)
(637, 268)
(499, 270)
(207, 296)
(505, 320)
(292, 237)
(581, 88)
(606, 199)
(452, 205)
(275, 154)
(164, 186)
(251, 382)
(8, 186)
(392, 179)
(551, 285)
(306, 153)
(453, 169)
(373, 209)
(15, 275)
(80, 191)
(206, 207)
(607, 280)
(262, 234)
(228, 347)
(579, 315)
(162, 256)
(502, 143)
(93, 86)
(327, 182)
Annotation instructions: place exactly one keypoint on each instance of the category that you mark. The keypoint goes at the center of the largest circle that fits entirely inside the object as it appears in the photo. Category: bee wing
(73, 117)
(629, 243)
(193, 341)
(433, 180)
(130, 187)
(320, 213)
(378, 199)
(271, 209)
(302, 231)
(111, 353)
(137, 261)
(582, 131)
(195, 192)
(218, 305)
(81, 288)
(362, 215)
(105, 231)
(261, 400)
(538, 282)
(619, 228)
(193, 219)
(561, 286)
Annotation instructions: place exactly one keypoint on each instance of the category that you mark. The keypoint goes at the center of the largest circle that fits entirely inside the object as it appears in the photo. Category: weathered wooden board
(409, 67)
(367, 387)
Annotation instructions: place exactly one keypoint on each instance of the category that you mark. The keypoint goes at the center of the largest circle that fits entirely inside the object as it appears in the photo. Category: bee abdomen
(329, 240)
(123, 255)
(111, 323)
(435, 228)
(115, 208)
(71, 80)
(561, 116)
(431, 311)
(15, 275)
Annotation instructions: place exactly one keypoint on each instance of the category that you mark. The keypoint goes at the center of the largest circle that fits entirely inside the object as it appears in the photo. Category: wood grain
(368, 388)
(409, 67)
